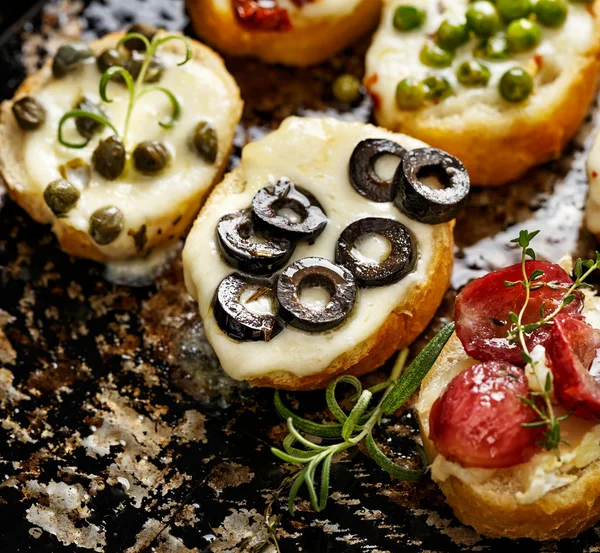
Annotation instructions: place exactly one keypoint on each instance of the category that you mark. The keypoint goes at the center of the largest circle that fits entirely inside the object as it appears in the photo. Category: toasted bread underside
(409, 318)
(73, 240)
(307, 43)
(491, 508)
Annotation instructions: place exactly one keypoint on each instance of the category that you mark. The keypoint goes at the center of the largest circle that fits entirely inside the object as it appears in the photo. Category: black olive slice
(233, 315)
(249, 251)
(309, 220)
(364, 177)
(424, 203)
(317, 272)
(400, 260)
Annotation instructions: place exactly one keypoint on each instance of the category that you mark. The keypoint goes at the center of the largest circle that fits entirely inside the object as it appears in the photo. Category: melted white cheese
(203, 95)
(544, 472)
(394, 55)
(314, 153)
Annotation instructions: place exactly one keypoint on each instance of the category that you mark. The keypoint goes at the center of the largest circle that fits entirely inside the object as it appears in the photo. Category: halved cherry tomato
(482, 310)
(572, 351)
(478, 420)
(259, 15)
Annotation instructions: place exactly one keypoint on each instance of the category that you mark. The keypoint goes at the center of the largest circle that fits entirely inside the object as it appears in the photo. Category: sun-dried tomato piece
(482, 310)
(478, 421)
(572, 351)
(262, 15)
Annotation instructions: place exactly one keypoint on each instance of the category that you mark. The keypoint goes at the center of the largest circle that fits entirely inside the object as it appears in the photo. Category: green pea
(434, 56)
(346, 88)
(523, 35)
(437, 88)
(552, 13)
(473, 73)
(516, 85)
(61, 196)
(410, 93)
(106, 224)
(407, 18)
(205, 140)
(514, 9)
(493, 48)
(483, 18)
(452, 33)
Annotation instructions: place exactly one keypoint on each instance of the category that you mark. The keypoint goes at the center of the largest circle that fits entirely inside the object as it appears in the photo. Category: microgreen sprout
(135, 88)
(541, 402)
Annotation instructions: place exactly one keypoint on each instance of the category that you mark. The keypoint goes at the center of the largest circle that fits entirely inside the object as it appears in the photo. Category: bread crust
(307, 43)
(491, 508)
(499, 150)
(75, 241)
(409, 318)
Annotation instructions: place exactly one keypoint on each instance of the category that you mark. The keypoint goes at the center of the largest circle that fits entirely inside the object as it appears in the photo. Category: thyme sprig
(354, 427)
(135, 87)
(541, 402)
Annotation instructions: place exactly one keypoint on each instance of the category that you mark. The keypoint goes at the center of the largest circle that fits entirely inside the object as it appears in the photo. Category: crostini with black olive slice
(323, 252)
(290, 32)
(502, 85)
(116, 143)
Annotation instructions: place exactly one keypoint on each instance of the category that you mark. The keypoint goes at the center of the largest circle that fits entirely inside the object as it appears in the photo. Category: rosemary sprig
(135, 87)
(541, 402)
(354, 427)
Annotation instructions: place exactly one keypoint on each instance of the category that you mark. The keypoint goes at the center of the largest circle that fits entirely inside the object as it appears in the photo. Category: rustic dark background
(118, 430)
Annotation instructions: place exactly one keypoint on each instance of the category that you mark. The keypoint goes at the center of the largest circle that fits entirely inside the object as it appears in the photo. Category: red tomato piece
(572, 351)
(483, 306)
(262, 15)
(478, 420)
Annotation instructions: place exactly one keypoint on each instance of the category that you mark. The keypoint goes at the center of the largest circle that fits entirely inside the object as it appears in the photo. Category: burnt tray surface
(120, 433)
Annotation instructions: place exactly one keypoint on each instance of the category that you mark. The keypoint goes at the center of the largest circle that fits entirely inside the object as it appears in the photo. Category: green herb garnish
(544, 409)
(354, 427)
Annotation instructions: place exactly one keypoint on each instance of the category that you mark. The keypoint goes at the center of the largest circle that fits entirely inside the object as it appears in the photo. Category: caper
(483, 18)
(473, 73)
(150, 157)
(523, 35)
(205, 141)
(69, 57)
(29, 113)
(106, 224)
(410, 93)
(434, 56)
(109, 157)
(346, 88)
(493, 48)
(86, 126)
(61, 196)
(552, 13)
(516, 85)
(452, 33)
(136, 61)
(109, 58)
(407, 18)
(510, 10)
(437, 88)
(137, 43)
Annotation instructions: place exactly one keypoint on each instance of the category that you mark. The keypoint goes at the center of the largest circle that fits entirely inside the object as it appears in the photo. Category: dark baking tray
(120, 433)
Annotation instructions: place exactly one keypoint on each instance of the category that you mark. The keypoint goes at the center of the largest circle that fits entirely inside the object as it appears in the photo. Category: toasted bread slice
(497, 141)
(592, 206)
(317, 29)
(314, 153)
(160, 207)
(541, 499)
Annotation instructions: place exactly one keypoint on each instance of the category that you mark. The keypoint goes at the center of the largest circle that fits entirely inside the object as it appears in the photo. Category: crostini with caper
(326, 250)
(503, 86)
(116, 143)
(290, 32)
